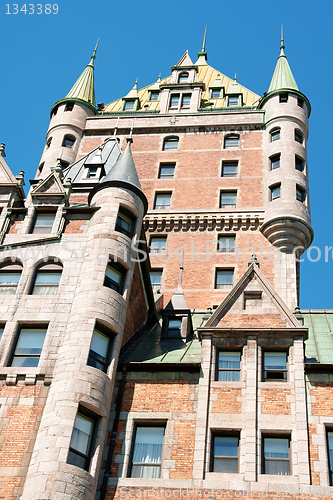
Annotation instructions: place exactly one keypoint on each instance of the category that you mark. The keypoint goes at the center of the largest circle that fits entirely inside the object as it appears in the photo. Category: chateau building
(152, 343)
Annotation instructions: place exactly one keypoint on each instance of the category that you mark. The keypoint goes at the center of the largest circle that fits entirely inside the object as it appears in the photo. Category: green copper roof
(319, 345)
(84, 88)
(282, 77)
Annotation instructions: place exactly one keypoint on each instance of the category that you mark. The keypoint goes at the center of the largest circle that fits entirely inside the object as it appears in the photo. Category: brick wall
(322, 398)
(275, 401)
(137, 308)
(227, 400)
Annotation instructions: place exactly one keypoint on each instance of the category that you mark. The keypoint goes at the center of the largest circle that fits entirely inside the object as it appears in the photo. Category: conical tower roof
(124, 175)
(84, 88)
(282, 77)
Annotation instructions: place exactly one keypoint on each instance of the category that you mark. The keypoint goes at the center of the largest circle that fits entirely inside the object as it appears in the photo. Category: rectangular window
(299, 163)
(215, 93)
(81, 443)
(154, 95)
(275, 134)
(226, 244)
(233, 101)
(228, 367)
(115, 277)
(275, 192)
(228, 199)
(298, 136)
(174, 327)
(46, 283)
(147, 452)
(92, 172)
(167, 171)
(283, 97)
(275, 161)
(231, 142)
(186, 100)
(156, 279)
(29, 347)
(229, 168)
(157, 244)
(224, 279)
(275, 366)
(330, 454)
(300, 102)
(99, 351)
(300, 194)
(129, 105)
(174, 100)
(125, 222)
(225, 453)
(69, 106)
(162, 201)
(276, 456)
(43, 223)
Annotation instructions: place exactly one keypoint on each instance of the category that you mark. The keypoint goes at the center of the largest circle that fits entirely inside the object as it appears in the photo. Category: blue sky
(43, 54)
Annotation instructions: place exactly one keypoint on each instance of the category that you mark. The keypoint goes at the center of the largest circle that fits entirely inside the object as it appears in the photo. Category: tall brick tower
(120, 378)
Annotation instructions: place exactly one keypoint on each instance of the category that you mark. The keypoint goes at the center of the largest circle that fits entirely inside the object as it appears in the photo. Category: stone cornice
(202, 221)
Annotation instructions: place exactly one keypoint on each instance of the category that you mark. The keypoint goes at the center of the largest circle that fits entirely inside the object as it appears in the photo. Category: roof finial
(282, 41)
(94, 53)
(235, 79)
(204, 40)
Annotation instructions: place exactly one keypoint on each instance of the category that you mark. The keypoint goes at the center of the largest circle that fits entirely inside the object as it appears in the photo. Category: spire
(282, 77)
(123, 174)
(202, 56)
(178, 301)
(84, 88)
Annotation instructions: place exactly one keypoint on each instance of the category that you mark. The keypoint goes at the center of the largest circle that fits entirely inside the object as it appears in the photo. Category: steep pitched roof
(206, 74)
(282, 77)
(84, 88)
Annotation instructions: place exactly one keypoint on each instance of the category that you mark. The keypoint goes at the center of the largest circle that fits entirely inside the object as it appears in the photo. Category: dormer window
(92, 172)
(215, 93)
(174, 100)
(174, 328)
(129, 105)
(186, 100)
(154, 95)
(233, 101)
(183, 77)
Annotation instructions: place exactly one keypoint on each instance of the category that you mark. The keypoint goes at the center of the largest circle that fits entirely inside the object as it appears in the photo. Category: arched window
(170, 143)
(47, 279)
(68, 141)
(231, 141)
(275, 134)
(183, 77)
(10, 274)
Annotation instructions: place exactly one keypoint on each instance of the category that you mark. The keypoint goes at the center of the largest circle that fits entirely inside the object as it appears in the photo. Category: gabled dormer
(216, 90)
(234, 95)
(131, 101)
(182, 93)
(177, 321)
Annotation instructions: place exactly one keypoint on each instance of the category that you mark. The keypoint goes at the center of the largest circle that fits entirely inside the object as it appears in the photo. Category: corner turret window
(300, 194)
(299, 163)
(275, 192)
(231, 141)
(170, 143)
(275, 161)
(275, 134)
(183, 77)
(10, 274)
(115, 277)
(100, 348)
(47, 279)
(48, 144)
(298, 136)
(283, 97)
(125, 222)
(300, 102)
(64, 164)
(40, 169)
(55, 111)
(68, 141)
(80, 449)
(69, 106)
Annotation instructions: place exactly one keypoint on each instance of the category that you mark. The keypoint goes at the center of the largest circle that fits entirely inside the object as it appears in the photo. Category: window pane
(44, 220)
(226, 376)
(275, 135)
(171, 143)
(298, 136)
(276, 192)
(129, 105)
(226, 465)
(216, 94)
(148, 445)
(231, 142)
(123, 224)
(162, 201)
(146, 472)
(229, 360)
(224, 279)
(1, 332)
(48, 278)
(113, 275)
(275, 361)
(233, 101)
(154, 95)
(157, 245)
(229, 170)
(278, 467)
(167, 171)
(100, 343)
(330, 450)
(275, 162)
(29, 347)
(276, 448)
(225, 454)
(183, 77)
(155, 279)
(228, 199)
(186, 100)
(174, 100)
(226, 243)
